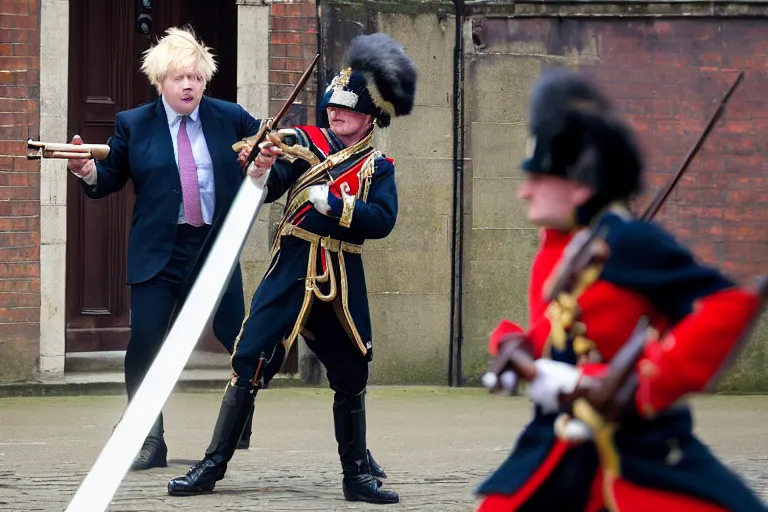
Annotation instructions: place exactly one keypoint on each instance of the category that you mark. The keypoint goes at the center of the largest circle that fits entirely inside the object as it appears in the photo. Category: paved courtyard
(436, 445)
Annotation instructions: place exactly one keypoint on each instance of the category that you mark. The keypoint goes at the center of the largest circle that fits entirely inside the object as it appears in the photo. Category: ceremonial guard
(623, 324)
(341, 191)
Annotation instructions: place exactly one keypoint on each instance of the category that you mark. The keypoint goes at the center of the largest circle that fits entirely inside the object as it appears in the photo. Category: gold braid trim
(333, 249)
(364, 185)
(350, 323)
(376, 96)
(603, 432)
(329, 163)
(610, 459)
(366, 173)
(347, 210)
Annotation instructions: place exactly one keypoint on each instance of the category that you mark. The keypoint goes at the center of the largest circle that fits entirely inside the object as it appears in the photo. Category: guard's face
(552, 200)
(183, 90)
(348, 123)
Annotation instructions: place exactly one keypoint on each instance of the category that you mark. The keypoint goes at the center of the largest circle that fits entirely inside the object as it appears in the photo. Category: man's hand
(81, 167)
(268, 153)
(514, 358)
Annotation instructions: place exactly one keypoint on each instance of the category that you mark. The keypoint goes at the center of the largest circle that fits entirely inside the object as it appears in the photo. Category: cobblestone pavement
(436, 445)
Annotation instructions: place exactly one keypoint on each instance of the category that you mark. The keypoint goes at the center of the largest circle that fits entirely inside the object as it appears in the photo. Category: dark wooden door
(106, 44)
(103, 80)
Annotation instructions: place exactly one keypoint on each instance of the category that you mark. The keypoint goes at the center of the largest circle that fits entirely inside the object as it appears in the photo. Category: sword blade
(96, 491)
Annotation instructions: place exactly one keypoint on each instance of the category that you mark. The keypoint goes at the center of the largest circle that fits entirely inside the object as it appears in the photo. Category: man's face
(348, 123)
(183, 90)
(552, 200)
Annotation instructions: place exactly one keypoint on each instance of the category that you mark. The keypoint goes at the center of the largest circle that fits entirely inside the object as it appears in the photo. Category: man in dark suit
(177, 151)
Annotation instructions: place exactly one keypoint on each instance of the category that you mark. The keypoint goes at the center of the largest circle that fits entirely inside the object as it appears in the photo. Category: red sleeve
(551, 246)
(611, 314)
(504, 328)
(538, 334)
(696, 351)
(553, 243)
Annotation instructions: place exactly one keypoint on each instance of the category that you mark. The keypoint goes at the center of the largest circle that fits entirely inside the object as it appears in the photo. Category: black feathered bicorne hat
(379, 79)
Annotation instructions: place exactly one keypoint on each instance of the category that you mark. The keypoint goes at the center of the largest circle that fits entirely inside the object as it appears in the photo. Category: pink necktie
(188, 171)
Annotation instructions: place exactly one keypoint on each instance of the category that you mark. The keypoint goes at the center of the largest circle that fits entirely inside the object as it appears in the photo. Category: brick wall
(19, 186)
(292, 46)
(669, 76)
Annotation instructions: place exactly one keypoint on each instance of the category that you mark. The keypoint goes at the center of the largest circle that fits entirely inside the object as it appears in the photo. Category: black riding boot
(376, 470)
(235, 410)
(245, 438)
(154, 452)
(271, 368)
(349, 422)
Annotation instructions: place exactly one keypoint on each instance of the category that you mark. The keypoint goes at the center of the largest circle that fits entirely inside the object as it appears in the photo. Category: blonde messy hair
(178, 49)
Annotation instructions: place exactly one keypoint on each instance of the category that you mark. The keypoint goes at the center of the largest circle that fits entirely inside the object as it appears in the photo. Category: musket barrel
(68, 151)
(69, 155)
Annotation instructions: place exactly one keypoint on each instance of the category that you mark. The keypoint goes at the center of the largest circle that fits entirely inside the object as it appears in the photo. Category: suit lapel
(211, 132)
(161, 142)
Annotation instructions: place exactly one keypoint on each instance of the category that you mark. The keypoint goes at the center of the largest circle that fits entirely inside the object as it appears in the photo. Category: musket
(205, 292)
(609, 395)
(662, 194)
(38, 150)
(593, 251)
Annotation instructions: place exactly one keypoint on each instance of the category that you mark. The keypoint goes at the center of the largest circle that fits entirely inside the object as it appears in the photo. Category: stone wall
(666, 72)
(19, 188)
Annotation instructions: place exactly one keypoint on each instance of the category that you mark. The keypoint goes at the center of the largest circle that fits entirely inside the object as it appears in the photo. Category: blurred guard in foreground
(634, 450)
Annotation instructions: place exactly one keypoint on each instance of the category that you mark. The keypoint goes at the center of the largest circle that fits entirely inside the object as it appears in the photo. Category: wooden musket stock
(40, 150)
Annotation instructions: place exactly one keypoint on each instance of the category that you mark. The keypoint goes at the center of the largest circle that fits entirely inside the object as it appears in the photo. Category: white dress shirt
(201, 155)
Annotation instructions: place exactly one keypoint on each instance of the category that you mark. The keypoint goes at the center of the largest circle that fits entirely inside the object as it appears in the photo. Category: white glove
(552, 378)
(572, 430)
(318, 194)
(506, 382)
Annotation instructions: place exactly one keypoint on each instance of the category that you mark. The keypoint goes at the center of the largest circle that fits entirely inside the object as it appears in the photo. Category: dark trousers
(268, 324)
(152, 303)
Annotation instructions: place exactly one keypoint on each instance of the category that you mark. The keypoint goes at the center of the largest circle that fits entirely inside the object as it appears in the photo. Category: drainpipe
(457, 246)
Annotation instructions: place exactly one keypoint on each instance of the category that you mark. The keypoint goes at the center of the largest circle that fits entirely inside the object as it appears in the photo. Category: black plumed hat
(379, 79)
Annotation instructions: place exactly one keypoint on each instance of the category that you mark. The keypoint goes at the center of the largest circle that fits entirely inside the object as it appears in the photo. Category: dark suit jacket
(142, 150)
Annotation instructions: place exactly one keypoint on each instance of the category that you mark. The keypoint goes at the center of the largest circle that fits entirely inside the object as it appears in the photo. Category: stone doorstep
(101, 373)
(112, 361)
(112, 383)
